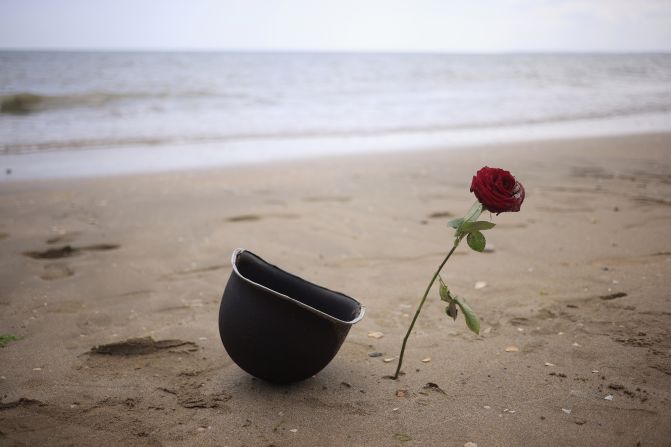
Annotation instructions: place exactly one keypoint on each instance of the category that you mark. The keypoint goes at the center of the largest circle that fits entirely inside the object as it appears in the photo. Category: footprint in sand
(440, 214)
(19, 403)
(190, 388)
(256, 217)
(54, 271)
(53, 253)
(101, 247)
(67, 250)
(143, 346)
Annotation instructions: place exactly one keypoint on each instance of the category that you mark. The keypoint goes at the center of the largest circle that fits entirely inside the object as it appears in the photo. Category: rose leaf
(476, 240)
(474, 212)
(472, 320)
(480, 225)
(455, 223)
(444, 292)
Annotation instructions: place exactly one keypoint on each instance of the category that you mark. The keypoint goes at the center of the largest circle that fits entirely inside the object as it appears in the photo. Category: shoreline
(83, 163)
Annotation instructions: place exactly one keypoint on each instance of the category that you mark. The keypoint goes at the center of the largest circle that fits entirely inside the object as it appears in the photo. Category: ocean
(61, 113)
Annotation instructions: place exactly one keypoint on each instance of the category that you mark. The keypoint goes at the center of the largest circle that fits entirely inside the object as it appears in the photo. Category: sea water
(79, 113)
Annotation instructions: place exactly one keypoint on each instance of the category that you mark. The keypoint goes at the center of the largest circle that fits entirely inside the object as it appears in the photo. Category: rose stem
(419, 308)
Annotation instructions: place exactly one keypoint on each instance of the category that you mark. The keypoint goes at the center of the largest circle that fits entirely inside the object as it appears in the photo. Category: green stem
(419, 308)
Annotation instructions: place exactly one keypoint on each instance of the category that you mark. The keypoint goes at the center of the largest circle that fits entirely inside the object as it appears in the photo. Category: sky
(339, 25)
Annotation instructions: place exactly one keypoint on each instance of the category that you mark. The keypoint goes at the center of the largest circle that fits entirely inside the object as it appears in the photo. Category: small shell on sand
(480, 285)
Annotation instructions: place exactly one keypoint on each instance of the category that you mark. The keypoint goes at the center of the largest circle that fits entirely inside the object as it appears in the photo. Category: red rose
(497, 190)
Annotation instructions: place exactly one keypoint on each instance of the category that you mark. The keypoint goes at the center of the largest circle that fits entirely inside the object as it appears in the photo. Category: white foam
(176, 157)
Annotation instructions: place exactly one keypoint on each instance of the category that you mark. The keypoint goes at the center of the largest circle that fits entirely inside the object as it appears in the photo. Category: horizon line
(330, 51)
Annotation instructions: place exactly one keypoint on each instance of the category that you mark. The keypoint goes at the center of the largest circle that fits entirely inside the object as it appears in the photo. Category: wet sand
(577, 282)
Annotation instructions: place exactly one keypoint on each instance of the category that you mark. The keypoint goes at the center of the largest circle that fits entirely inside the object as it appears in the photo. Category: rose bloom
(497, 190)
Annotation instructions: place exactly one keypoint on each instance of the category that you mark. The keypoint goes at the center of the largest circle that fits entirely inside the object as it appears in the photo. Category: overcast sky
(350, 25)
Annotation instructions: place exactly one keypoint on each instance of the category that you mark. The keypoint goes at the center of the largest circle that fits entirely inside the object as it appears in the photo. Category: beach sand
(578, 282)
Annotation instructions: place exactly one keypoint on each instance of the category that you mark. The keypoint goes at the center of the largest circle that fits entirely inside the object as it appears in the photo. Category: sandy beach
(577, 283)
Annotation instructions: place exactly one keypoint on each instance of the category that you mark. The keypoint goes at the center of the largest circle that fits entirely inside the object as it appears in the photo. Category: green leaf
(444, 292)
(480, 225)
(6, 339)
(476, 241)
(474, 212)
(471, 216)
(472, 320)
(455, 223)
